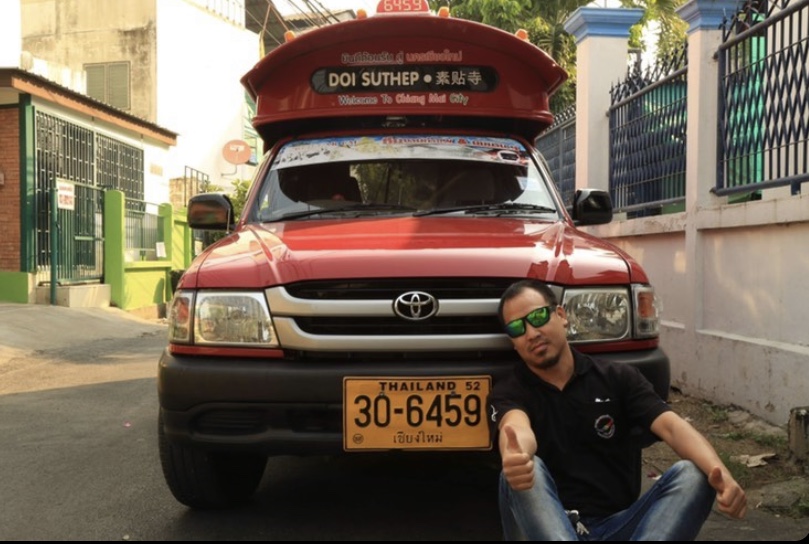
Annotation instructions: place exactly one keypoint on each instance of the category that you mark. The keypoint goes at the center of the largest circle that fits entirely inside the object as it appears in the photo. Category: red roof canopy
(415, 66)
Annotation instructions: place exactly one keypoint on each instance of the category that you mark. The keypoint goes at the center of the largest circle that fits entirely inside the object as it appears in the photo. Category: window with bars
(109, 83)
(120, 166)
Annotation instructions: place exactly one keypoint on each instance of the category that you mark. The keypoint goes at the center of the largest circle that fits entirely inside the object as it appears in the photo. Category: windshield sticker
(401, 147)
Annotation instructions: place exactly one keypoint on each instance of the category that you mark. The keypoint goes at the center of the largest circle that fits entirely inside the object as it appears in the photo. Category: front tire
(208, 480)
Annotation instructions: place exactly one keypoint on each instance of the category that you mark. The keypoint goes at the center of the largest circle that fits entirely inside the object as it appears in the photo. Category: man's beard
(549, 363)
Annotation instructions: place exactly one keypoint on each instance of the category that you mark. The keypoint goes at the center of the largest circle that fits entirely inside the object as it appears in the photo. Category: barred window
(119, 166)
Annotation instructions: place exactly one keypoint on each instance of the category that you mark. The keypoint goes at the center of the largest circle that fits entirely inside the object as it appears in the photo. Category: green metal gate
(69, 242)
(74, 166)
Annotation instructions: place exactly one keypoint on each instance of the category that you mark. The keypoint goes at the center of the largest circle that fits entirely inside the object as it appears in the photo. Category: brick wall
(10, 190)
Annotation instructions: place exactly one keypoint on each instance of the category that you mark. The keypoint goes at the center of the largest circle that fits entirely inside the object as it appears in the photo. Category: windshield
(402, 174)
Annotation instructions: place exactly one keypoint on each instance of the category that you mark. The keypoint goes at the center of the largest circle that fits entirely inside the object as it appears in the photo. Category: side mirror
(591, 207)
(210, 211)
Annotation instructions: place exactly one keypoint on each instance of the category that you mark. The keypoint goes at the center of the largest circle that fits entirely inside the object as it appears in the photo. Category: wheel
(208, 480)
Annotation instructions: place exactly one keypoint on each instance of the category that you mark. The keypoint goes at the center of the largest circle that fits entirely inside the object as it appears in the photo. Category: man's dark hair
(516, 288)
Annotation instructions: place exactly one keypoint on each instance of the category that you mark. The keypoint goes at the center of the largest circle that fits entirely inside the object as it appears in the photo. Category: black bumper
(278, 407)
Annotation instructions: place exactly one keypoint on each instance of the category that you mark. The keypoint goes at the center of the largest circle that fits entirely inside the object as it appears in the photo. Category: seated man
(563, 422)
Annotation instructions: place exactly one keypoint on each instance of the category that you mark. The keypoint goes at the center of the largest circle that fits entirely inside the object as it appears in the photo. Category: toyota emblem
(415, 305)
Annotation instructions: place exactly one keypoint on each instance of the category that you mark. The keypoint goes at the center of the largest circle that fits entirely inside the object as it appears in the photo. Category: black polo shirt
(590, 434)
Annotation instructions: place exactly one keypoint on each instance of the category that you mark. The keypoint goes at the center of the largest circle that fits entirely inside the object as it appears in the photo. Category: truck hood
(263, 255)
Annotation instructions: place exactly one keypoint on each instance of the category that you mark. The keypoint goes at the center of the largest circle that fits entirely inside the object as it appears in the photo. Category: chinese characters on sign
(413, 78)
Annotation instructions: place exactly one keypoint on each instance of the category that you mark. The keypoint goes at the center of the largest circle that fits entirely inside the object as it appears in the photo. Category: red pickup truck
(352, 306)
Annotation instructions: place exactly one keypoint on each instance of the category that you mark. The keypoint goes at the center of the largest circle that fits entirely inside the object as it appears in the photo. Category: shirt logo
(605, 426)
(494, 413)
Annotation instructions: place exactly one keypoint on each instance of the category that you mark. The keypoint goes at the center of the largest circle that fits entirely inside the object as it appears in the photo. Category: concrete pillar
(704, 37)
(602, 52)
(115, 245)
(10, 34)
(166, 214)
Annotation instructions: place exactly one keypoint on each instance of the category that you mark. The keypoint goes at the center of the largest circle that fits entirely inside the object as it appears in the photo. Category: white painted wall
(731, 277)
(746, 341)
(201, 58)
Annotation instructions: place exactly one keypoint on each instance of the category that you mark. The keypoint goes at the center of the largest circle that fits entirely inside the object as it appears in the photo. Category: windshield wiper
(501, 208)
(374, 207)
(355, 207)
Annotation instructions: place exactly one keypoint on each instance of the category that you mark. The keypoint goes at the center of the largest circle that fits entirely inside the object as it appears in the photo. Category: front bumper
(280, 407)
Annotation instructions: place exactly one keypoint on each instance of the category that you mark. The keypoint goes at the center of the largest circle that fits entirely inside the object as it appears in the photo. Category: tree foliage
(545, 19)
(237, 196)
(662, 14)
(542, 19)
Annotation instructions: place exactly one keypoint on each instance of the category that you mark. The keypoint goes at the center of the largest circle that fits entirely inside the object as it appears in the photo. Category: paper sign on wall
(65, 195)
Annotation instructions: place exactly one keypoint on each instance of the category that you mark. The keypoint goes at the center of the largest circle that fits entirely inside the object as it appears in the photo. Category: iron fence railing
(194, 182)
(119, 166)
(763, 141)
(77, 246)
(142, 229)
(69, 239)
(557, 144)
(647, 120)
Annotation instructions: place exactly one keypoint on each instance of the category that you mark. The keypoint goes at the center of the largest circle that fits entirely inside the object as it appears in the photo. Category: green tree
(543, 20)
(238, 197)
(671, 29)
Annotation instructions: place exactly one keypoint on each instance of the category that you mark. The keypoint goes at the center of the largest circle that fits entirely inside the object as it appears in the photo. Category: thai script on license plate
(386, 413)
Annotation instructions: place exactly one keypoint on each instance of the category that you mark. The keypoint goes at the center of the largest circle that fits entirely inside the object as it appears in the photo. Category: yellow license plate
(397, 413)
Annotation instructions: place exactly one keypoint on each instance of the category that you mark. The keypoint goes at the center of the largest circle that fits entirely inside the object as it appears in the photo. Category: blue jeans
(673, 509)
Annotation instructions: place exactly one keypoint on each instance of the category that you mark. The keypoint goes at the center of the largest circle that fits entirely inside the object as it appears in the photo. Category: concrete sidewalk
(26, 328)
(32, 328)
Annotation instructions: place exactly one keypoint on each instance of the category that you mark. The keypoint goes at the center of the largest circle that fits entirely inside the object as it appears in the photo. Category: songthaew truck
(352, 306)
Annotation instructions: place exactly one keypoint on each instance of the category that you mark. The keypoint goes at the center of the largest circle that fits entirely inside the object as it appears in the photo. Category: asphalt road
(79, 460)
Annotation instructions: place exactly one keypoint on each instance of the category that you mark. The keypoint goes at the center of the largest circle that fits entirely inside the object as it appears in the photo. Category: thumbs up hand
(518, 466)
(730, 497)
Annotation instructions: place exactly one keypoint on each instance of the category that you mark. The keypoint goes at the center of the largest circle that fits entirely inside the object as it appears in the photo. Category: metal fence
(70, 234)
(647, 119)
(557, 144)
(142, 228)
(764, 99)
(69, 239)
(119, 166)
(194, 182)
(77, 247)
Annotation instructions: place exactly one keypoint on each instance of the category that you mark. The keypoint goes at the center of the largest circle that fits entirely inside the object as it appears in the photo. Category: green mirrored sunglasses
(536, 318)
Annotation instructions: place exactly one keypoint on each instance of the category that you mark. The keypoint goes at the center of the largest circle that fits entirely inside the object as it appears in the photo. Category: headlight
(599, 314)
(229, 318)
